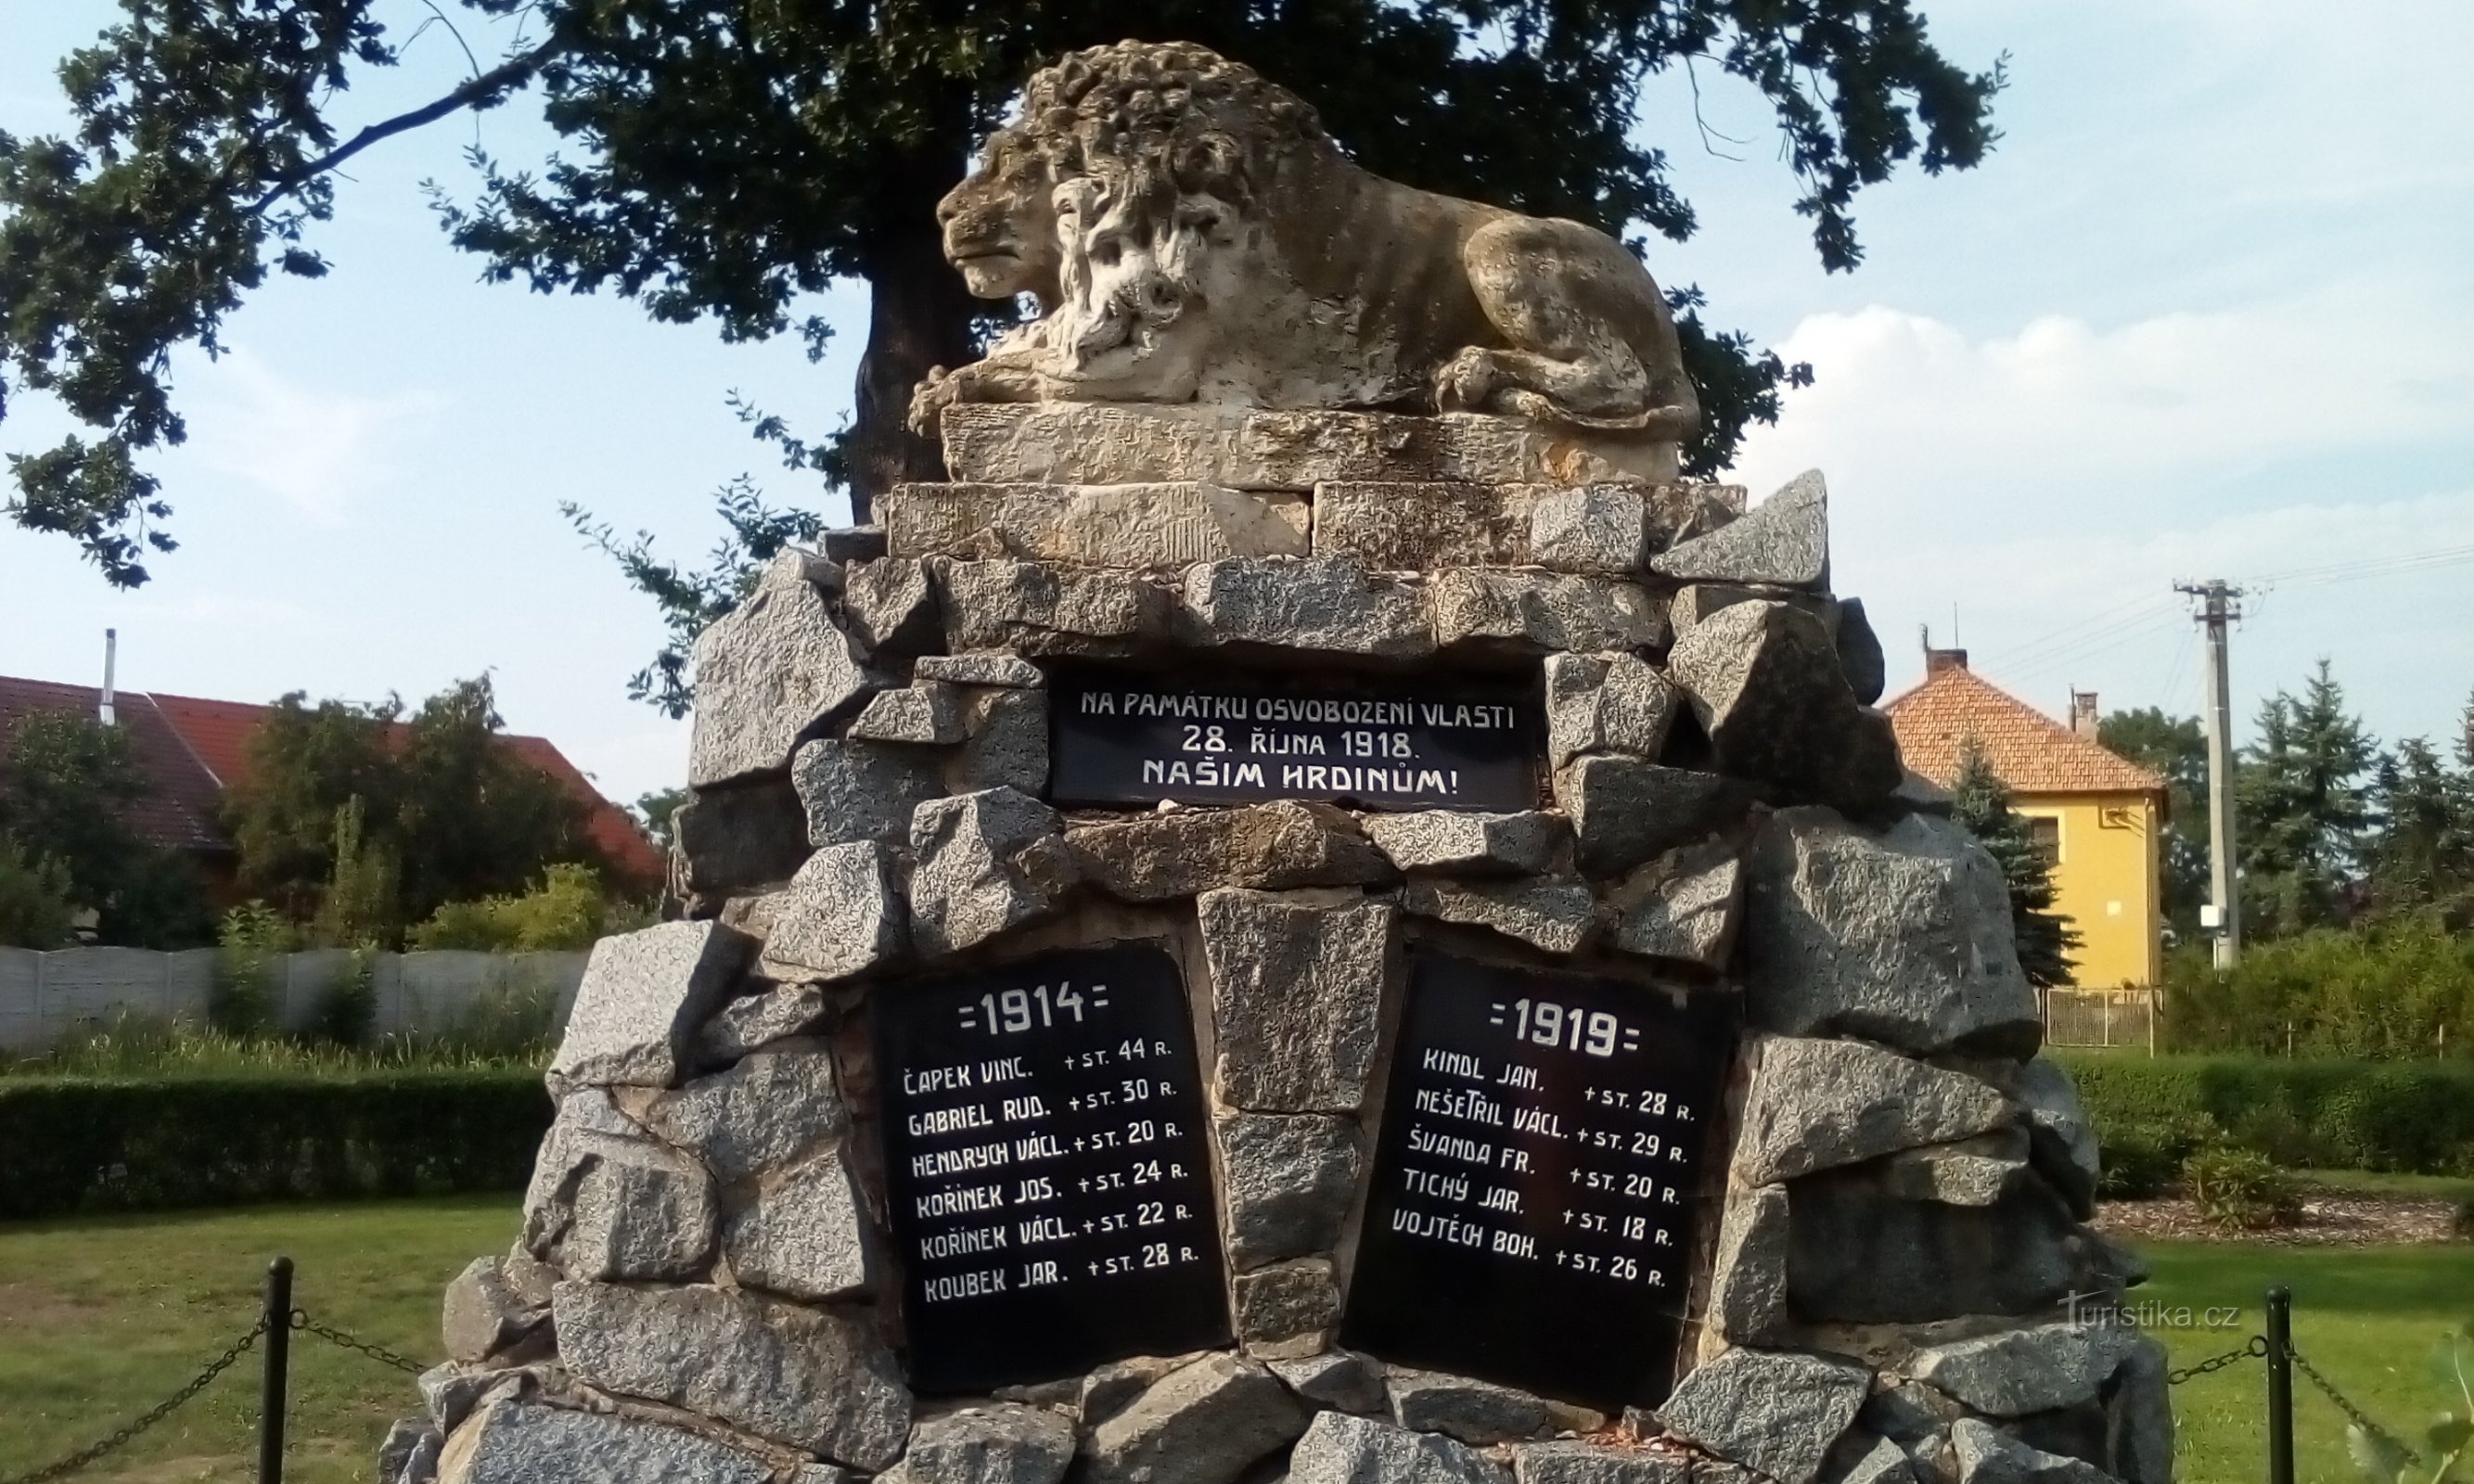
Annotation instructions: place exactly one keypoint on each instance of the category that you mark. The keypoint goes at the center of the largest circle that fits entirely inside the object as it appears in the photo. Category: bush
(34, 908)
(2385, 993)
(2239, 1189)
(568, 911)
(111, 1144)
(2417, 1117)
(2143, 1161)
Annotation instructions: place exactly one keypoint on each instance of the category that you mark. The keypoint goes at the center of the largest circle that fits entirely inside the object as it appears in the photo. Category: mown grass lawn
(2367, 1317)
(100, 1319)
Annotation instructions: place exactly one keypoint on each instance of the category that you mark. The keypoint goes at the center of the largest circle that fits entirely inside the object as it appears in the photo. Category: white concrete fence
(46, 996)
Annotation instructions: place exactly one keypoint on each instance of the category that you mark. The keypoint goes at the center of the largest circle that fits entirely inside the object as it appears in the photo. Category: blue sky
(2205, 311)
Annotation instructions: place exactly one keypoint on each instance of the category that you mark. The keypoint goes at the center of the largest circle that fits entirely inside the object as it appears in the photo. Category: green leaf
(2448, 1432)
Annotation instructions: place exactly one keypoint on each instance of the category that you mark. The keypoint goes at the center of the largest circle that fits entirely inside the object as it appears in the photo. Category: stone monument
(1315, 915)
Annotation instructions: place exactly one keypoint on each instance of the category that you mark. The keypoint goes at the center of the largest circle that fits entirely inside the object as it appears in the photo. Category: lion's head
(999, 225)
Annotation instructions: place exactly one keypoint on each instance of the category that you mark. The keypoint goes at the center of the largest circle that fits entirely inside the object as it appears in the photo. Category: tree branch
(482, 91)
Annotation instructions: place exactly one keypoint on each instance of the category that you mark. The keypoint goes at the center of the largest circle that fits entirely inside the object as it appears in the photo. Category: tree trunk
(919, 316)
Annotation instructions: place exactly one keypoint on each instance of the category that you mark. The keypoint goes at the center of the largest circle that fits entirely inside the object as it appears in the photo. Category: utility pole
(2217, 611)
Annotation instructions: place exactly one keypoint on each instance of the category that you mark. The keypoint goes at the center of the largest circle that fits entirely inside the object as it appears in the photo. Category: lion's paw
(929, 399)
(1466, 381)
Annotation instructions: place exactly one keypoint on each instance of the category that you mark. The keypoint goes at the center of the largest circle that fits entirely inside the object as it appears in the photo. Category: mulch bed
(2328, 1219)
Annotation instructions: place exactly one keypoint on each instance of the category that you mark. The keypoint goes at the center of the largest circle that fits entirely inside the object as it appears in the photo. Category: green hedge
(2417, 1117)
(98, 1144)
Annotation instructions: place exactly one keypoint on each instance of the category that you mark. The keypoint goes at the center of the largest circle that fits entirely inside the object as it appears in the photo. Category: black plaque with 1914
(1047, 1166)
(1531, 1208)
(1403, 743)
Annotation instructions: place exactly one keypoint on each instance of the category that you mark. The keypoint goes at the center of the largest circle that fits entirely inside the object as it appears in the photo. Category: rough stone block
(1777, 1411)
(767, 1111)
(1393, 527)
(1268, 846)
(643, 996)
(740, 839)
(1555, 914)
(1816, 1105)
(1859, 652)
(1784, 539)
(1987, 1455)
(754, 1021)
(1344, 1449)
(1539, 613)
(1288, 1179)
(1864, 1254)
(641, 1212)
(1286, 1309)
(1467, 842)
(807, 1236)
(992, 1443)
(408, 1454)
(585, 1122)
(1605, 703)
(1086, 443)
(1685, 906)
(2064, 1142)
(803, 1377)
(1149, 524)
(853, 543)
(1477, 1413)
(1035, 609)
(981, 670)
(967, 888)
(1005, 743)
(769, 673)
(1334, 1378)
(1117, 1385)
(2143, 1415)
(1747, 1280)
(1600, 529)
(1626, 812)
(927, 715)
(1874, 1461)
(856, 790)
(1296, 981)
(891, 607)
(524, 1443)
(1202, 1424)
(1901, 936)
(841, 915)
(1596, 1463)
(482, 1314)
(1981, 1171)
(2036, 1369)
(1326, 604)
(1765, 685)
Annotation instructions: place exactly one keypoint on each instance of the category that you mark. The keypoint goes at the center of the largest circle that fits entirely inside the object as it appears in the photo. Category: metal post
(2280, 1385)
(278, 1345)
(2216, 611)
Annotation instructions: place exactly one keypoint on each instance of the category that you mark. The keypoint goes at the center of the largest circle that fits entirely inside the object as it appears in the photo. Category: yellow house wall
(2106, 882)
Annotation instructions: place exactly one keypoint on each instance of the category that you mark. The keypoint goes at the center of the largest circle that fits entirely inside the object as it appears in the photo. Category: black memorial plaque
(1385, 744)
(1531, 1208)
(1047, 1164)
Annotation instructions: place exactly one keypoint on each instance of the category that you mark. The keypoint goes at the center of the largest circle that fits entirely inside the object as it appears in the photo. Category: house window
(2045, 834)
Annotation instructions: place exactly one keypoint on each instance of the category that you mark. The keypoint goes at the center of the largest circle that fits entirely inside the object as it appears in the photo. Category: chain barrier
(2253, 1349)
(126, 1434)
(302, 1320)
(2353, 1413)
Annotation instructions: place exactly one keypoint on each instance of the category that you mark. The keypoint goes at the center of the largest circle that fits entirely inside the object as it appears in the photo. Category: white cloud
(317, 450)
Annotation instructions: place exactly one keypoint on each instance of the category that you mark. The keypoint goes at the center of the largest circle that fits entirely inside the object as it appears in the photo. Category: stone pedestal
(1877, 1217)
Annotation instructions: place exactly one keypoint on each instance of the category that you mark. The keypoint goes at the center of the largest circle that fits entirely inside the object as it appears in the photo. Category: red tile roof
(180, 812)
(2028, 750)
(194, 748)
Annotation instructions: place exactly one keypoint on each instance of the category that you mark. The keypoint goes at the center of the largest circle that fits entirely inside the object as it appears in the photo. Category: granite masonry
(709, 1283)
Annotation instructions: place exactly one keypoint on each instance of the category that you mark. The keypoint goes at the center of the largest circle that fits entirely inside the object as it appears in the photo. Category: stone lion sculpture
(1191, 235)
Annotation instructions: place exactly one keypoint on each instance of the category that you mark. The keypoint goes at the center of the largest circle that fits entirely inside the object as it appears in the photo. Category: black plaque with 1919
(1532, 1207)
(1384, 743)
(1046, 1161)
